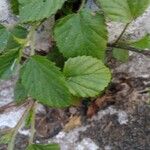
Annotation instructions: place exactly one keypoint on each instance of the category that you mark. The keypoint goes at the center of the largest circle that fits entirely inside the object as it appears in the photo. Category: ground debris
(74, 122)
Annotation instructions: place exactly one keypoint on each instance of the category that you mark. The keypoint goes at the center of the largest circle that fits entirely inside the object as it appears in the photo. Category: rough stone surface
(6, 92)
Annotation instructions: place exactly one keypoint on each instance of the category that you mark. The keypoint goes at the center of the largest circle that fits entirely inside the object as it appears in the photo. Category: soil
(134, 135)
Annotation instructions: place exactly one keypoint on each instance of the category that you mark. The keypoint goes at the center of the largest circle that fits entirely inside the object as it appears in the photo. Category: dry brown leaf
(74, 122)
(99, 103)
(42, 127)
(102, 101)
(92, 109)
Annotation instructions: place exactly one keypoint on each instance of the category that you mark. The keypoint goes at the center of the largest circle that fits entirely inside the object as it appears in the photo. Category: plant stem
(123, 31)
(11, 105)
(32, 39)
(129, 48)
(33, 123)
(12, 142)
(82, 5)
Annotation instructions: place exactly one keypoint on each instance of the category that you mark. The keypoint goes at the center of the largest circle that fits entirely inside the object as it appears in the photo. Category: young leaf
(120, 54)
(19, 32)
(43, 147)
(124, 10)
(83, 33)
(29, 119)
(143, 43)
(6, 138)
(7, 62)
(86, 76)
(9, 39)
(35, 10)
(44, 82)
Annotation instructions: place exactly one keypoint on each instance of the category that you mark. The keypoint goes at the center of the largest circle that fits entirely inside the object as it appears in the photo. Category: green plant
(75, 67)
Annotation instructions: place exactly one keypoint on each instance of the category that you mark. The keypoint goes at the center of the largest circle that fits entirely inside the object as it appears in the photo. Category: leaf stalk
(123, 31)
(12, 142)
(129, 48)
(33, 123)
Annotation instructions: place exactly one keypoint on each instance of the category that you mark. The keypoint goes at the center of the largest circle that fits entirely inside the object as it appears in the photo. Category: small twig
(12, 142)
(33, 123)
(11, 105)
(129, 48)
(123, 31)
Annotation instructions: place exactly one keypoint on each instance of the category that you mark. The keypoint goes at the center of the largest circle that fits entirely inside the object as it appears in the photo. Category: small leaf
(120, 54)
(29, 118)
(7, 61)
(124, 10)
(45, 83)
(19, 32)
(143, 43)
(43, 147)
(20, 94)
(83, 33)
(35, 10)
(86, 76)
(9, 39)
(6, 138)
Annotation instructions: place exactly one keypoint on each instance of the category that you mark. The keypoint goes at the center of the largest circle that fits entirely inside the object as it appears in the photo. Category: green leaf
(20, 94)
(86, 76)
(43, 147)
(10, 72)
(7, 61)
(19, 32)
(4, 37)
(83, 33)
(120, 54)
(143, 43)
(124, 10)
(6, 138)
(35, 10)
(10, 39)
(44, 82)
(15, 6)
(29, 118)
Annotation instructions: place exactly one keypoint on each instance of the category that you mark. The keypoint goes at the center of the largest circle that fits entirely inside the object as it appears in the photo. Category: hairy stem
(29, 41)
(129, 48)
(11, 105)
(33, 123)
(32, 40)
(123, 31)
(12, 142)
